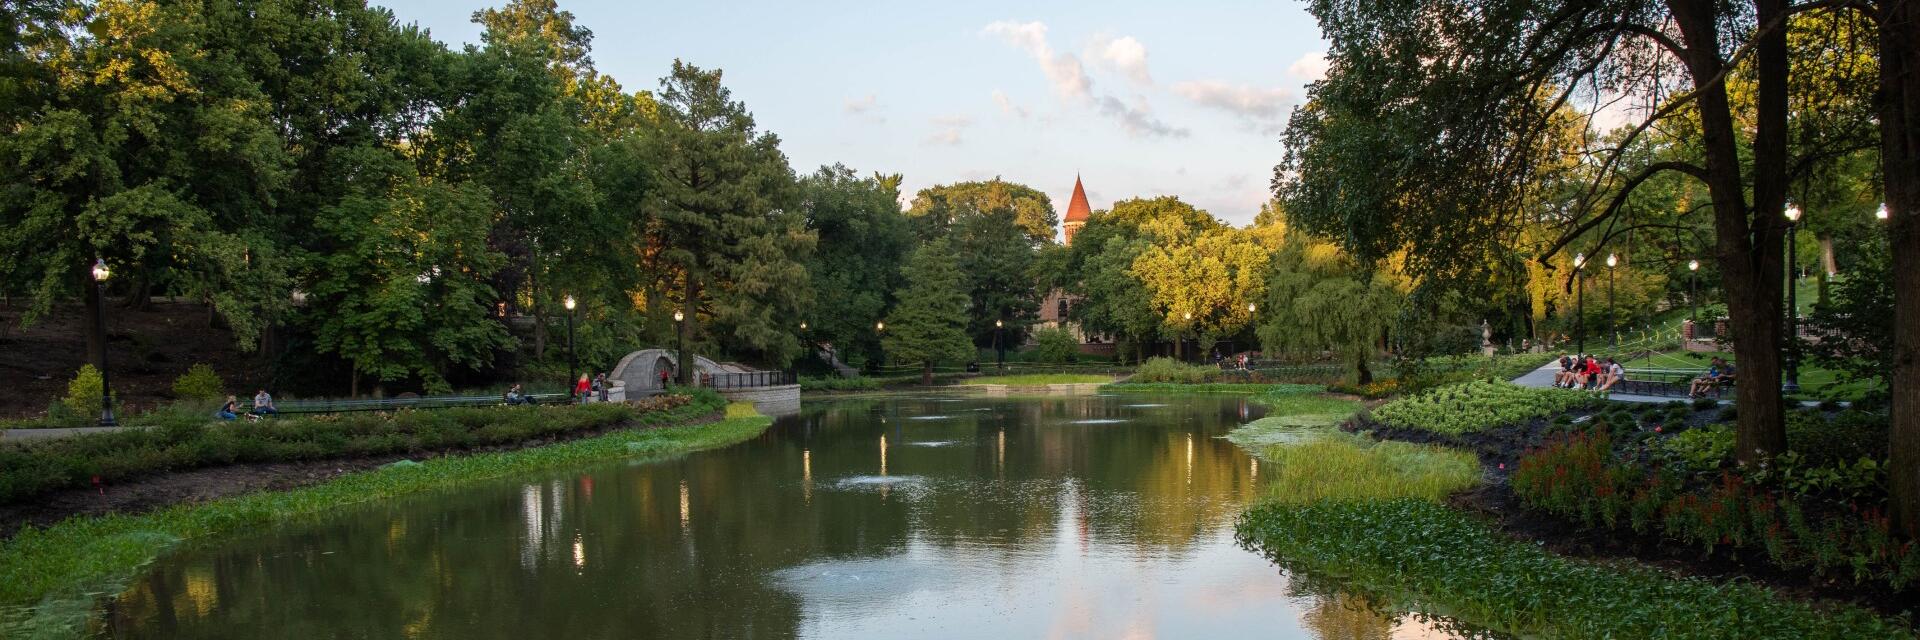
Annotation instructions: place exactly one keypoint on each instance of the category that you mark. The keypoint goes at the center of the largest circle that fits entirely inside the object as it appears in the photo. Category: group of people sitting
(1588, 372)
(262, 407)
(1719, 372)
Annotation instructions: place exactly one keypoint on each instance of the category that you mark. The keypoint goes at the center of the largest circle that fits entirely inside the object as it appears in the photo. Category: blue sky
(1141, 99)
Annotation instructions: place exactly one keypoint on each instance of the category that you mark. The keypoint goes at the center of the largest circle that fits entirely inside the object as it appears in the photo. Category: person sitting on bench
(1614, 373)
(230, 410)
(263, 404)
(517, 397)
(1564, 377)
(1708, 380)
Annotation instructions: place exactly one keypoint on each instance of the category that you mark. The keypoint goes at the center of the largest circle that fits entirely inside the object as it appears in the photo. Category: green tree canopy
(929, 324)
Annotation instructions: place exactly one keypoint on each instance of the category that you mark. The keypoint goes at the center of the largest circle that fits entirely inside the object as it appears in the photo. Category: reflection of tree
(605, 553)
(1342, 617)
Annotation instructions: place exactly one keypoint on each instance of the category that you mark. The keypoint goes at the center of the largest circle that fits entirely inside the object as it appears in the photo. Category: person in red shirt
(582, 388)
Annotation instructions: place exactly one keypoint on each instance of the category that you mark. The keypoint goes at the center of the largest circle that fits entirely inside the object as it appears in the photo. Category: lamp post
(1579, 305)
(100, 275)
(1613, 324)
(999, 357)
(680, 347)
(1792, 384)
(1693, 290)
(1882, 213)
(573, 361)
(1186, 324)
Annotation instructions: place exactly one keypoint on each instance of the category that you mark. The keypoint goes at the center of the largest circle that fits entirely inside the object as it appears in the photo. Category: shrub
(1696, 450)
(199, 383)
(35, 467)
(1728, 414)
(1170, 370)
(1054, 345)
(1477, 406)
(83, 393)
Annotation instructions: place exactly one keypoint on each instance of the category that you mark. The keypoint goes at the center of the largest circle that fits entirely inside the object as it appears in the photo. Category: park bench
(391, 404)
(1665, 382)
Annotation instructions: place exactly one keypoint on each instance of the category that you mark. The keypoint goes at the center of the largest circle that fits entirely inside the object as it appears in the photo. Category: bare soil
(201, 485)
(147, 349)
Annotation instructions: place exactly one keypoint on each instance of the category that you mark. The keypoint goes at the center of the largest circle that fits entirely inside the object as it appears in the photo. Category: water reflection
(1080, 516)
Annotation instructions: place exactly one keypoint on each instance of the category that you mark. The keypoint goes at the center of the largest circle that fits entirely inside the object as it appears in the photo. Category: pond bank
(1352, 512)
(51, 579)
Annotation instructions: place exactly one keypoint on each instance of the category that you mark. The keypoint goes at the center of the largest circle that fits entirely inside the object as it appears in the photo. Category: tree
(1318, 298)
(855, 267)
(929, 324)
(1199, 274)
(1100, 265)
(936, 208)
(128, 142)
(721, 216)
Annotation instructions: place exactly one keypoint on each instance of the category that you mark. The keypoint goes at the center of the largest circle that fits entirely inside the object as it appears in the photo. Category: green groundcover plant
(36, 467)
(1478, 406)
(1422, 556)
(51, 579)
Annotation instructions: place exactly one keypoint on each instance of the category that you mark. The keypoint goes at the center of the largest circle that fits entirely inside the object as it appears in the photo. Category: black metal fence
(748, 380)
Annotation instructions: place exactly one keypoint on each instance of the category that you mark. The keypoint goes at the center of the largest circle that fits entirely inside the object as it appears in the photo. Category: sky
(1139, 99)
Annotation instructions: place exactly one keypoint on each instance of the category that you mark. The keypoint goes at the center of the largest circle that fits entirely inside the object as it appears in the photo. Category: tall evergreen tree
(929, 324)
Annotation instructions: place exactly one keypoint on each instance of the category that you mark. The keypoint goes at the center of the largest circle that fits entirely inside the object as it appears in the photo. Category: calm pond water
(1063, 517)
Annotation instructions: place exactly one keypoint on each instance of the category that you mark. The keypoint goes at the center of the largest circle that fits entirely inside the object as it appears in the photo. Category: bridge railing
(748, 379)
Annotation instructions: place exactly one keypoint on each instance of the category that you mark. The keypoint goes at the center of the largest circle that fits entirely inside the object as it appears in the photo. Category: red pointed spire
(1077, 208)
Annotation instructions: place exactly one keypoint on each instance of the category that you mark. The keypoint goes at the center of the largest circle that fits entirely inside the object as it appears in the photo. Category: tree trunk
(1826, 255)
(539, 318)
(688, 307)
(926, 373)
(1749, 250)
(1362, 374)
(1899, 99)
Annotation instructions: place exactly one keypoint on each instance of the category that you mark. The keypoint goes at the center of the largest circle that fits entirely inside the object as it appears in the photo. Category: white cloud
(1262, 108)
(865, 108)
(1311, 67)
(1138, 121)
(1063, 70)
(948, 130)
(1125, 55)
(1007, 106)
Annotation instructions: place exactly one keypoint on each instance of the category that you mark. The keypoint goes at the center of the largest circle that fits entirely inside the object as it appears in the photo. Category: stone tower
(1077, 211)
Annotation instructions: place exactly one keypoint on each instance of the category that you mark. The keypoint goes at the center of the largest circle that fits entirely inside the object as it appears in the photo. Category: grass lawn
(1037, 379)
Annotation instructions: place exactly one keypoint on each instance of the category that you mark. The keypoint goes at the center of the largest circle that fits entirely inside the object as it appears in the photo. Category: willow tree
(1319, 298)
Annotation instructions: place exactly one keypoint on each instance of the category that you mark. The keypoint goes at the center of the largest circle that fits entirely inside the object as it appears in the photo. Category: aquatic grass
(1336, 465)
(1037, 379)
(1434, 560)
(1245, 388)
(51, 578)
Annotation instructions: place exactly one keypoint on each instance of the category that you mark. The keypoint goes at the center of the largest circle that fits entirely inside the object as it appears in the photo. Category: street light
(1882, 213)
(1579, 305)
(1792, 384)
(999, 357)
(100, 275)
(1693, 289)
(1613, 324)
(880, 326)
(573, 360)
(681, 371)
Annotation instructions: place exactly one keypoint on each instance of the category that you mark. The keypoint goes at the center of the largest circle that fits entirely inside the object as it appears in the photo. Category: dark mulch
(1500, 449)
(201, 485)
